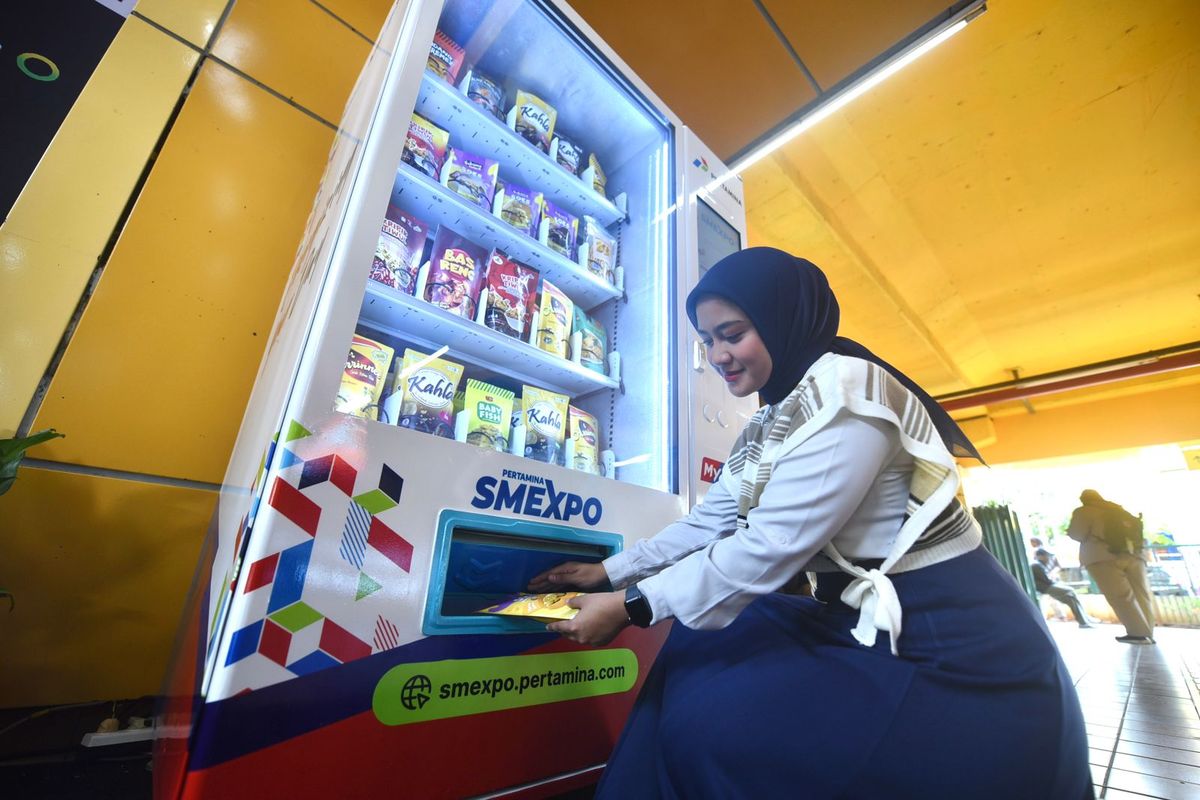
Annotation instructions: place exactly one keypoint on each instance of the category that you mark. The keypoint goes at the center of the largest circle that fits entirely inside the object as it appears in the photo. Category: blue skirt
(785, 703)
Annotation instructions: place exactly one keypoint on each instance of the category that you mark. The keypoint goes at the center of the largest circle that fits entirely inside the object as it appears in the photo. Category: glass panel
(717, 238)
(528, 248)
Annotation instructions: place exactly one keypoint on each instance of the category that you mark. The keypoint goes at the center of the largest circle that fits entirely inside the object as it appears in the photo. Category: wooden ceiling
(1024, 197)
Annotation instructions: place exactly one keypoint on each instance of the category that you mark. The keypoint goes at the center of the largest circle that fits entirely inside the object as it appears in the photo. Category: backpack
(1122, 530)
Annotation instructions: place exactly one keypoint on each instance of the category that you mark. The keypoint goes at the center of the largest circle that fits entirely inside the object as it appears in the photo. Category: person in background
(1117, 569)
(920, 669)
(1036, 544)
(1046, 581)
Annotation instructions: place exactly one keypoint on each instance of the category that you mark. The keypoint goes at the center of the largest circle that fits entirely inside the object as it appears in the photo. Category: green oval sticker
(458, 687)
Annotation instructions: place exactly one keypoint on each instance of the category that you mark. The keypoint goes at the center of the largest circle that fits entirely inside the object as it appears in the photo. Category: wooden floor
(1141, 704)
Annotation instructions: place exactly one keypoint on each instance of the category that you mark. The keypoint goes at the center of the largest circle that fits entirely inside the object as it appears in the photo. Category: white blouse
(848, 483)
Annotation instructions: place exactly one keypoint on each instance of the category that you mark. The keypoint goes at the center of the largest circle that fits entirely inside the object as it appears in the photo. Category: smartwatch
(637, 607)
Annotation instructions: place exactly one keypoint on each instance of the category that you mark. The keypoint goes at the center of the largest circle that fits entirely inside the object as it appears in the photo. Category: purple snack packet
(521, 208)
(398, 251)
(470, 176)
(562, 228)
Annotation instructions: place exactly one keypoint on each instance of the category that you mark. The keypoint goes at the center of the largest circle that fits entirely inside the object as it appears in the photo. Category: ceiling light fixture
(838, 98)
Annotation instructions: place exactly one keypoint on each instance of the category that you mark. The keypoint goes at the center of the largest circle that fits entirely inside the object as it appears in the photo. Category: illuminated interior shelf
(434, 203)
(476, 131)
(429, 326)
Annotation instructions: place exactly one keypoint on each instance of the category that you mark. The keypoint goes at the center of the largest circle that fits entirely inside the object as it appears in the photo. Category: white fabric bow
(873, 593)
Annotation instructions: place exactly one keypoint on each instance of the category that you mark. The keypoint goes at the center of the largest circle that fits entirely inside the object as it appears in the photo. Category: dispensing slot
(481, 560)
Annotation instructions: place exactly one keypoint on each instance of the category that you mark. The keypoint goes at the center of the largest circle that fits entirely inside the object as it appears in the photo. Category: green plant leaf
(13, 450)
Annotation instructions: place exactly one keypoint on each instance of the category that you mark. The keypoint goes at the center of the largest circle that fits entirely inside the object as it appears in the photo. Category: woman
(847, 472)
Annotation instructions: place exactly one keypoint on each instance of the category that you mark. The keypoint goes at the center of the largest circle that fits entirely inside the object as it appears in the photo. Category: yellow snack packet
(554, 330)
(585, 434)
(363, 378)
(490, 410)
(429, 386)
(545, 415)
(548, 607)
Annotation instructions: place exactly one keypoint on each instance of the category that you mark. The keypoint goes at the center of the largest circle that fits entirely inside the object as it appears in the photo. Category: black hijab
(796, 314)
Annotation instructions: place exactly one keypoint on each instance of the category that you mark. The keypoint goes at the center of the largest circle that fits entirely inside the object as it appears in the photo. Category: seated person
(1044, 579)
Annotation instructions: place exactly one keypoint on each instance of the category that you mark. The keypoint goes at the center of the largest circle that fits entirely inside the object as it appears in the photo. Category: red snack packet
(455, 273)
(445, 57)
(512, 295)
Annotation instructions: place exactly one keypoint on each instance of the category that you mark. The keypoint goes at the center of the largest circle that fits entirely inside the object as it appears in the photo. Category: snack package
(562, 228)
(456, 269)
(585, 435)
(398, 251)
(554, 328)
(549, 607)
(567, 154)
(425, 146)
(520, 207)
(545, 415)
(533, 118)
(602, 249)
(512, 295)
(486, 93)
(594, 175)
(490, 410)
(363, 377)
(470, 176)
(429, 386)
(593, 342)
(445, 57)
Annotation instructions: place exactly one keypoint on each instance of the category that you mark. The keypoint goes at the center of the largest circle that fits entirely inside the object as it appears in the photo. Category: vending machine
(481, 367)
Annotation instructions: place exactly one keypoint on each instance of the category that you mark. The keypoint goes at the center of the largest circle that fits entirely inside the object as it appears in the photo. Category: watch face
(637, 608)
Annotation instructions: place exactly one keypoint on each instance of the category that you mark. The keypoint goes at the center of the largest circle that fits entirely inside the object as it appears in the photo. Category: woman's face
(734, 348)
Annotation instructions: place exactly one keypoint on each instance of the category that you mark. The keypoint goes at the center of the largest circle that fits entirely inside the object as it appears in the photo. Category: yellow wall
(1161, 416)
(152, 384)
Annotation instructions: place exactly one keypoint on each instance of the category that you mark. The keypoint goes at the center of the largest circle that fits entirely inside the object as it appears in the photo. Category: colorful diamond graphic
(387, 635)
(289, 576)
(316, 471)
(275, 642)
(313, 662)
(296, 431)
(366, 585)
(390, 483)
(343, 475)
(288, 459)
(287, 500)
(341, 643)
(261, 572)
(244, 642)
(354, 535)
(391, 544)
(375, 501)
(297, 616)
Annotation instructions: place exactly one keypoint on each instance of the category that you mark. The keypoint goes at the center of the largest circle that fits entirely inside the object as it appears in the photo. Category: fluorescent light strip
(837, 101)
(424, 362)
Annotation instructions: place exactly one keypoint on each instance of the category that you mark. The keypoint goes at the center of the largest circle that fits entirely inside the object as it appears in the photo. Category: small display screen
(717, 237)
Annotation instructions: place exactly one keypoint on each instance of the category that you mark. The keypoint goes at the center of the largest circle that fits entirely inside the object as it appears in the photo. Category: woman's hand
(571, 575)
(601, 617)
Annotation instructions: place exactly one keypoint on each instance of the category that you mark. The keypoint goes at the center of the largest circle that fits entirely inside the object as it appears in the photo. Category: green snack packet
(593, 342)
(490, 414)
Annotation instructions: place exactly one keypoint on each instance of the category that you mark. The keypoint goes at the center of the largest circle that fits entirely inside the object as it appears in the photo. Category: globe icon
(415, 693)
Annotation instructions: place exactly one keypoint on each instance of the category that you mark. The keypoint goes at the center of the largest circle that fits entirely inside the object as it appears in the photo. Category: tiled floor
(1141, 704)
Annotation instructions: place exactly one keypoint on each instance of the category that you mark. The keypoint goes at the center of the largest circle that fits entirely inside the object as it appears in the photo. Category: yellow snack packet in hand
(549, 607)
